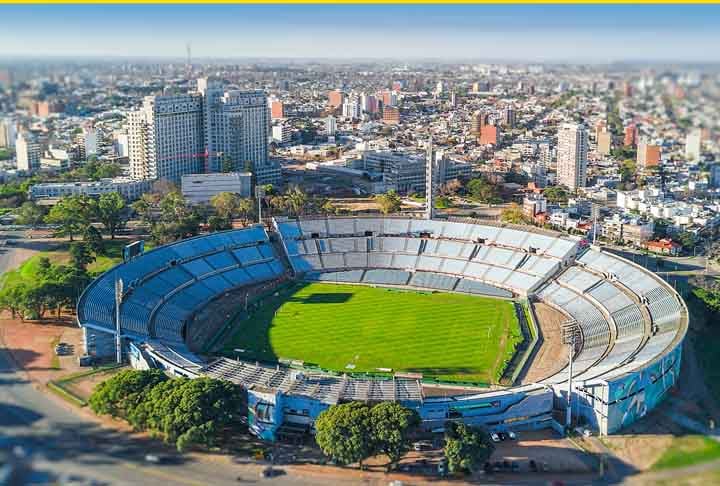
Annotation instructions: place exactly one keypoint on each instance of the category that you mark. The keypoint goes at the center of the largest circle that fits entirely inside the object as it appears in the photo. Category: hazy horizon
(588, 34)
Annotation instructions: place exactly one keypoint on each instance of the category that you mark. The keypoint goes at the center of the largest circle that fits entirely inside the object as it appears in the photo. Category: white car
(494, 437)
(422, 445)
(512, 435)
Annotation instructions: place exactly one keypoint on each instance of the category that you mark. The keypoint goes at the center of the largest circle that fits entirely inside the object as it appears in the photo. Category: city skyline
(528, 33)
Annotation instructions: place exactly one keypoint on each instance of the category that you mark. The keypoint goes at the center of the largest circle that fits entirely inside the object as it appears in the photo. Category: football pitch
(351, 328)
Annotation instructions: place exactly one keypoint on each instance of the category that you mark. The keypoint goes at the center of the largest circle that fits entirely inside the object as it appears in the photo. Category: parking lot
(540, 451)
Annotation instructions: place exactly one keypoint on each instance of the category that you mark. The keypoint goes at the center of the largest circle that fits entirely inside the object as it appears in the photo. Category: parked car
(512, 435)
(422, 445)
(63, 349)
(494, 437)
(153, 458)
(270, 472)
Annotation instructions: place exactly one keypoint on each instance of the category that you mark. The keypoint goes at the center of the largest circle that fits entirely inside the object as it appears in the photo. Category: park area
(351, 328)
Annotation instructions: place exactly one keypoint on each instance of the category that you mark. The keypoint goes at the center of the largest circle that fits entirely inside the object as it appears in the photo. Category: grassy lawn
(28, 270)
(688, 450)
(444, 336)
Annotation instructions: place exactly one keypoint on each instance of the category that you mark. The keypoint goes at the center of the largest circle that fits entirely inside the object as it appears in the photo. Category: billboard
(133, 249)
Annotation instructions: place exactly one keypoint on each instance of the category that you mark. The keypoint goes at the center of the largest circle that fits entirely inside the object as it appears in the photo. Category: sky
(534, 33)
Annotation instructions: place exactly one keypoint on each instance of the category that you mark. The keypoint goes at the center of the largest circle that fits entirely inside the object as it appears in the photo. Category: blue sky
(586, 33)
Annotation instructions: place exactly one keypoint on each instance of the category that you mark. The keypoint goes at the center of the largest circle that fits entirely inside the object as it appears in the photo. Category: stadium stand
(631, 324)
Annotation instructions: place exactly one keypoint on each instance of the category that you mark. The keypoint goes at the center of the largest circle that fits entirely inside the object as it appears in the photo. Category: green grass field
(688, 450)
(444, 336)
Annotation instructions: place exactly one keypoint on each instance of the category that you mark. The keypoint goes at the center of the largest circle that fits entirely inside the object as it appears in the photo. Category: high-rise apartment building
(391, 115)
(572, 155)
(351, 108)
(489, 134)
(166, 137)
(509, 117)
(693, 145)
(648, 155)
(389, 98)
(631, 135)
(237, 125)
(335, 98)
(604, 142)
(27, 153)
(8, 132)
(277, 109)
(210, 130)
(478, 120)
(330, 126)
(369, 103)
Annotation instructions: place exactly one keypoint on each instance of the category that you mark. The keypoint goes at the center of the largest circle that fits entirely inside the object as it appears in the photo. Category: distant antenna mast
(188, 65)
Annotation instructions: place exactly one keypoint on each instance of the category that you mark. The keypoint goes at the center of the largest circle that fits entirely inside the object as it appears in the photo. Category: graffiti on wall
(631, 396)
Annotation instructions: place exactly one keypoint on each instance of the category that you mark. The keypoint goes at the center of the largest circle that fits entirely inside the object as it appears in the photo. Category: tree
(196, 410)
(628, 170)
(72, 215)
(227, 165)
(451, 188)
(391, 424)
(324, 206)
(513, 214)
(163, 187)
(466, 448)
(296, 201)
(216, 223)
(110, 208)
(556, 194)
(707, 290)
(344, 433)
(81, 255)
(93, 239)
(389, 203)
(276, 203)
(12, 298)
(482, 191)
(245, 209)
(225, 204)
(121, 394)
(516, 177)
(178, 219)
(144, 208)
(30, 214)
(686, 239)
(661, 228)
(443, 202)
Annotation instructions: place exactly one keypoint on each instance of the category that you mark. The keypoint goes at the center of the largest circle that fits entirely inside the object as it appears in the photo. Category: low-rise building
(200, 188)
(631, 231)
(664, 246)
(55, 160)
(130, 189)
(405, 172)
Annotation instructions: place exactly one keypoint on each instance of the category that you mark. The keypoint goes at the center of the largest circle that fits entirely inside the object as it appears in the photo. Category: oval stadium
(458, 319)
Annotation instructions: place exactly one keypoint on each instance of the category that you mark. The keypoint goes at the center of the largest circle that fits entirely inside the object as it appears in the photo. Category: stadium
(458, 319)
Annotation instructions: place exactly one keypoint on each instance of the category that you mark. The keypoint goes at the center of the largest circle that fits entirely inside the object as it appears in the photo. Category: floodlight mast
(259, 194)
(570, 336)
(118, 302)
